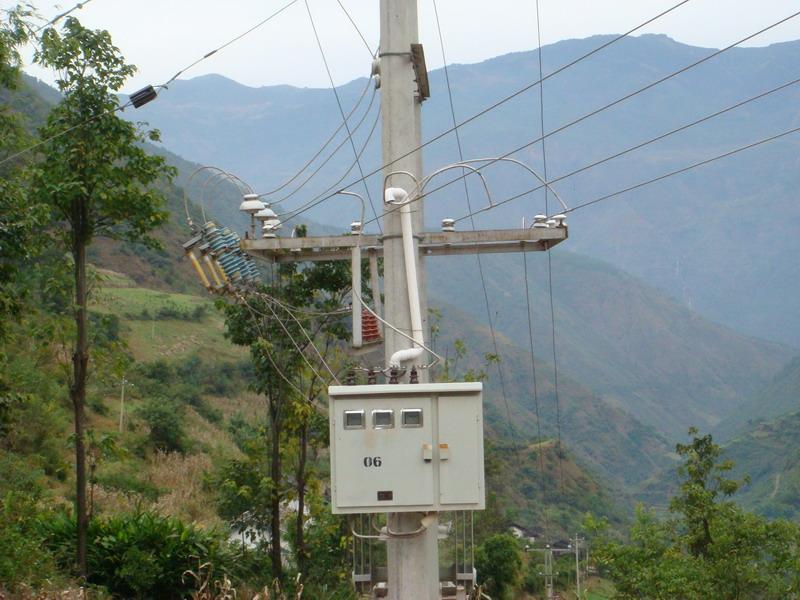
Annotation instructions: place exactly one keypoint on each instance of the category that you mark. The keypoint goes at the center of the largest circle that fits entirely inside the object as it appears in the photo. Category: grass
(169, 339)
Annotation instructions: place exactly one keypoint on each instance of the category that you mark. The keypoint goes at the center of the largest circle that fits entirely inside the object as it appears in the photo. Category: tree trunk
(276, 475)
(301, 499)
(77, 391)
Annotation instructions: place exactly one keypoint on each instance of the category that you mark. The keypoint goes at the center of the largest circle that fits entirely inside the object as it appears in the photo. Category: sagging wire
(216, 172)
(341, 108)
(297, 346)
(612, 103)
(328, 193)
(549, 260)
(328, 141)
(60, 16)
(211, 53)
(504, 100)
(635, 147)
(335, 151)
(478, 258)
(372, 53)
(150, 89)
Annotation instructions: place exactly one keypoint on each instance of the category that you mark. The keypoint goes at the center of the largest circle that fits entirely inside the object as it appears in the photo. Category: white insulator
(265, 214)
(251, 204)
(448, 225)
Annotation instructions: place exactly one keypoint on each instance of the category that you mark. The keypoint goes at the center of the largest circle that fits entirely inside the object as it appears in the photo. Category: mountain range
(665, 314)
(677, 235)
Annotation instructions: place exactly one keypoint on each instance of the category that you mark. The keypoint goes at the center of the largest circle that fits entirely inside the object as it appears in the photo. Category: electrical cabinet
(406, 447)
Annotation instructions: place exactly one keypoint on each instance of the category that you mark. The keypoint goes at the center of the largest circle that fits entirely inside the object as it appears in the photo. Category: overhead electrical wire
(208, 55)
(636, 147)
(335, 152)
(641, 184)
(556, 398)
(502, 101)
(278, 370)
(332, 190)
(60, 16)
(300, 351)
(620, 100)
(341, 111)
(701, 163)
(122, 107)
(358, 30)
(481, 275)
(327, 142)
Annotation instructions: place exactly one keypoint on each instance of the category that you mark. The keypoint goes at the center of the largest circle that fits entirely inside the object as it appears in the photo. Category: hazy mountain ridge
(636, 348)
(701, 237)
(780, 397)
(604, 436)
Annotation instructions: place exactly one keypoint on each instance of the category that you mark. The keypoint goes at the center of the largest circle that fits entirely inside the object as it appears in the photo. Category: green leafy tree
(499, 564)
(283, 343)
(20, 217)
(96, 178)
(709, 547)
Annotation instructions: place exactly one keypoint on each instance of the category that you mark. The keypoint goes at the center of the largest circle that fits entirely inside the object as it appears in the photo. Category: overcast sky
(163, 36)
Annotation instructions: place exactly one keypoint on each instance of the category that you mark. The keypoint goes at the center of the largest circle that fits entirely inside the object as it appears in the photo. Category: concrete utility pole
(413, 563)
(548, 572)
(122, 404)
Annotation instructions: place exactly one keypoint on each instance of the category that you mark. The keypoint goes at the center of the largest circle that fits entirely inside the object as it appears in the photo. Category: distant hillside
(603, 438)
(770, 456)
(780, 397)
(538, 489)
(704, 237)
(636, 348)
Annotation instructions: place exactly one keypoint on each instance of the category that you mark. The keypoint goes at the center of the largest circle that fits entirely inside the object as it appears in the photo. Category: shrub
(22, 559)
(164, 419)
(499, 563)
(123, 479)
(140, 555)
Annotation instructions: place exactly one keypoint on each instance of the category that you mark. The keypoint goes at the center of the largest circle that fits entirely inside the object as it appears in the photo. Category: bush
(164, 419)
(22, 559)
(499, 564)
(140, 555)
(122, 479)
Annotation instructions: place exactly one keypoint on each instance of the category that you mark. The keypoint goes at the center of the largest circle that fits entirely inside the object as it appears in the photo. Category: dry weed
(182, 476)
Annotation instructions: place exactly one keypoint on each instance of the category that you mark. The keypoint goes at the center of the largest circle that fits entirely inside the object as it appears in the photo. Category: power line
(335, 151)
(122, 107)
(638, 146)
(358, 30)
(60, 16)
(64, 132)
(341, 111)
(500, 373)
(327, 142)
(229, 42)
(335, 185)
(619, 100)
(540, 449)
(497, 104)
(549, 258)
(685, 169)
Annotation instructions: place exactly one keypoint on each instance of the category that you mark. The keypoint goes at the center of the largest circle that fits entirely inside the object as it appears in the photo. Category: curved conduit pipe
(399, 196)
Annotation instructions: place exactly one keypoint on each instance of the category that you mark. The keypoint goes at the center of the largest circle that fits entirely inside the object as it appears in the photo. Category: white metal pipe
(355, 268)
(399, 196)
(411, 274)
